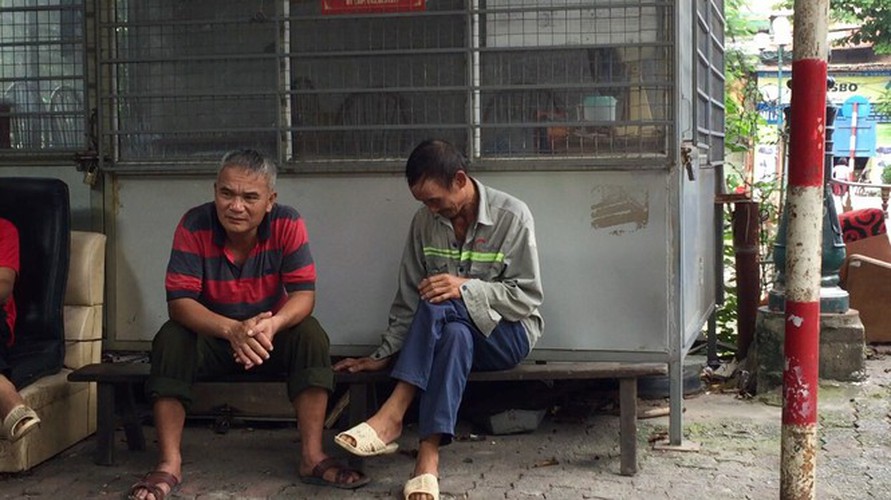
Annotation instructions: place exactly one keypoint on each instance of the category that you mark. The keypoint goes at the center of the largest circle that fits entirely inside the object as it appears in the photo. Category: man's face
(242, 198)
(444, 201)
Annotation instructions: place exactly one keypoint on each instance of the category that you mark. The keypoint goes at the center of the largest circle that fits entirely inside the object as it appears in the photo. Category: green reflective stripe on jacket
(465, 255)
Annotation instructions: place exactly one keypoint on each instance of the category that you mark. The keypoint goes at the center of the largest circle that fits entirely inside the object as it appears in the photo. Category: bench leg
(132, 427)
(105, 423)
(114, 399)
(358, 412)
(628, 425)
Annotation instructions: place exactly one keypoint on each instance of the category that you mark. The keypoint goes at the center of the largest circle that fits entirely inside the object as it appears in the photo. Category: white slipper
(368, 443)
(18, 422)
(424, 484)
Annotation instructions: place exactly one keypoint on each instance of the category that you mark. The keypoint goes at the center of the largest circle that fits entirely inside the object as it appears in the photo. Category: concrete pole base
(842, 344)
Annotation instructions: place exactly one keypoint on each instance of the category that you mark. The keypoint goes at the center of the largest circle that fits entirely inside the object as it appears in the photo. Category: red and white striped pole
(852, 162)
(804, 248)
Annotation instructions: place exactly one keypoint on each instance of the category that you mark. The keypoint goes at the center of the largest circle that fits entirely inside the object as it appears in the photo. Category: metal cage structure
(549, 82)
(42, 77)
(605, 116)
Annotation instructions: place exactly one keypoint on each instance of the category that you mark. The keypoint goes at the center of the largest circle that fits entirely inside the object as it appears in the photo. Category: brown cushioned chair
(866, 272)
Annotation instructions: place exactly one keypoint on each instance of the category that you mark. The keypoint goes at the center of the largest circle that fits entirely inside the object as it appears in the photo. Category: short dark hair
(434, 159)
(253, 161)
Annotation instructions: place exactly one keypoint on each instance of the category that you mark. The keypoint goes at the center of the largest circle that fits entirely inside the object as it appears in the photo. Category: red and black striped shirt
(9, 257)
(199, 268)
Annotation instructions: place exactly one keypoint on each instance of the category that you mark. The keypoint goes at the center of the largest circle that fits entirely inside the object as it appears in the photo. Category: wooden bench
(117, 383)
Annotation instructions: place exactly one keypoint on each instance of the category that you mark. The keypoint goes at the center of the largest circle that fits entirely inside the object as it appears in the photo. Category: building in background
(862, 91)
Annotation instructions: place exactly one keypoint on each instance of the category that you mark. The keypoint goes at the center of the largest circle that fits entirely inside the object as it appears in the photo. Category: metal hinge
(688, 153)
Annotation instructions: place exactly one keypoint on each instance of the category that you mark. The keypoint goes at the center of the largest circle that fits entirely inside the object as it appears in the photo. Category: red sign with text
(371, 6)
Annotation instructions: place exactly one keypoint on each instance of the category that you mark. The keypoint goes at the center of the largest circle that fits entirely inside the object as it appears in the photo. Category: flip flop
(427, 484)
(151, 482)
(18, 422)
(368, 443)
(317, 477)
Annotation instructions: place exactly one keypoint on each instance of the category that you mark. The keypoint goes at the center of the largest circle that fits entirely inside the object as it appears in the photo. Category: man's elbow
(7, 282)
(176, 310)
(5, 291)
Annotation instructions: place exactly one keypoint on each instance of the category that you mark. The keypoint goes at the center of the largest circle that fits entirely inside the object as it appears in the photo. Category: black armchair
(39, 208)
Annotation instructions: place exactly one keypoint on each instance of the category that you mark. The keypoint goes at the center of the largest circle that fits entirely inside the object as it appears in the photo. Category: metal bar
(43, 43)
(207, 58)
(573, 7)
(461, 50)
(746, 226)
(676, 247)
(642, 84)
(614, 163)
(382, 15)
(39, 79)
(283, 118)
(41, 8)
(476, 117)
(803, 260)
(628, 426)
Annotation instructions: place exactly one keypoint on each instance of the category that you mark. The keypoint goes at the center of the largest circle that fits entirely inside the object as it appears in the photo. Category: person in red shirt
(240, 293)
(19, 418)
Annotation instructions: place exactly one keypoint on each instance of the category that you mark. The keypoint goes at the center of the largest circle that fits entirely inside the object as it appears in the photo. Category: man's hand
(366, 364)
(251, 340)
(263, 327)
(441, 287)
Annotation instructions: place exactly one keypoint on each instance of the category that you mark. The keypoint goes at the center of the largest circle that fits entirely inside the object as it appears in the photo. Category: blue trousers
(441, 348)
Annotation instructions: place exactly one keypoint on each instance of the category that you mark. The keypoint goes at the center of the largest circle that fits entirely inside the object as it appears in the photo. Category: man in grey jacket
(468, 298)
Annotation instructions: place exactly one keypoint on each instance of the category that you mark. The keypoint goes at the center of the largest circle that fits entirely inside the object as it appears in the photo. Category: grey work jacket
(499, 254)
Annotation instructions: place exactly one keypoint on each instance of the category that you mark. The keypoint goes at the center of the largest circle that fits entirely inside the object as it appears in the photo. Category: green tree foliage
(883, 104)
(741, 96)
(741, 86)
(874, 17)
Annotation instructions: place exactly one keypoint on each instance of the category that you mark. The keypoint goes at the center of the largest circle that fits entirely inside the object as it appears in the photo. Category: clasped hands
(440, 287)
(251, 339)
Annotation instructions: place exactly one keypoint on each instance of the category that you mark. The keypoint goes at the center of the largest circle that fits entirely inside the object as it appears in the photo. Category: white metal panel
(601, 237)
(697, 249)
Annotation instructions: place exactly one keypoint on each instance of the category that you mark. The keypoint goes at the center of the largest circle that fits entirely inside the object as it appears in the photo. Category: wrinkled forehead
(236, 176)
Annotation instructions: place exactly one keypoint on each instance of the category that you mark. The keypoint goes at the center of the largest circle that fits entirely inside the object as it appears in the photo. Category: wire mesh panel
(41, 75)
(524, 79)
(190, 79)
(371, 85)
(575, 78)
(709, 76)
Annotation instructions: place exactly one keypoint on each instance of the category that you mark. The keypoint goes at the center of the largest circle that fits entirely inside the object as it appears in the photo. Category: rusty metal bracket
(687, 153)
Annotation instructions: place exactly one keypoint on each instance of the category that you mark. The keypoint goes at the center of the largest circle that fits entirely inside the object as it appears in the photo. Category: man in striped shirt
(468, 298)
(240, 292)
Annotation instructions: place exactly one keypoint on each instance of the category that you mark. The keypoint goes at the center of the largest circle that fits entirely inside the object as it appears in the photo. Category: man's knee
(311, 334)
(427, 307)
(173, 336)
(457, 336)
(306, 338)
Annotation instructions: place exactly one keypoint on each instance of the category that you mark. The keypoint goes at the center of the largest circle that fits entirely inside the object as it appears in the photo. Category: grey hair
(253, 161)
